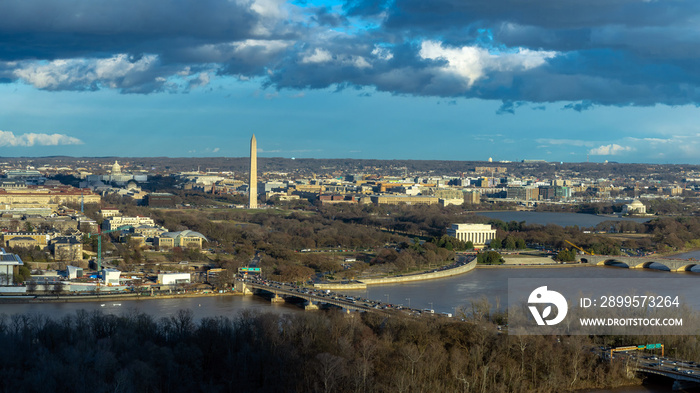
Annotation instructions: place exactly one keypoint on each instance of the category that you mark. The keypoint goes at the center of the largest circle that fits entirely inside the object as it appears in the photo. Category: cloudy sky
(560, 80)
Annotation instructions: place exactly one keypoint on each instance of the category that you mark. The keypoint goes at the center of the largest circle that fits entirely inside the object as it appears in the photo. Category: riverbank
(107, 297)
(526, 259)
(537, 266)
(363, 283)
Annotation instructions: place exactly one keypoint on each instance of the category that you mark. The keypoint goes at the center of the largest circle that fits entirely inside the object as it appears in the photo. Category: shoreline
(362, 284)
(17, 299)
(546, 266)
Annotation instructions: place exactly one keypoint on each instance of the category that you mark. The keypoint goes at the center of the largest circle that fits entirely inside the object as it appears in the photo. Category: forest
(296, 352)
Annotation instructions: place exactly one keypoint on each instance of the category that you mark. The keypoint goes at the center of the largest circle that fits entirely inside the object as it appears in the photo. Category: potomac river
(443, 295)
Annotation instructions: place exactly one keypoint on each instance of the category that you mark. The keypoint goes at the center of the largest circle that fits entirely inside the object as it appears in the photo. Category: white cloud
(317, 56)
(472, 62)
(360, 62)
(382, 53)
(568, 142)
(323, 56)
(266, 47)
(610, 150)
(199, 81)
(115, 72)
(8, 138)
(250, 50)
(272, 13)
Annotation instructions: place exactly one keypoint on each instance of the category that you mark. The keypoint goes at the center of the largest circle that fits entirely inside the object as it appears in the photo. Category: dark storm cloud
(596, 52)
(579, 106)
(47, 29)
(324, 16)
(439, 14)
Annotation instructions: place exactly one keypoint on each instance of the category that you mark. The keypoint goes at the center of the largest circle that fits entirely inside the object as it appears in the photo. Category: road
(325, 296)
(653, 364)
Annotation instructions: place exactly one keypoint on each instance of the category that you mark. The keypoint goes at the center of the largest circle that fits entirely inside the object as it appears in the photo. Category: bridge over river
(675, 265)
(312, 298)
(682, 377)
(683, 374)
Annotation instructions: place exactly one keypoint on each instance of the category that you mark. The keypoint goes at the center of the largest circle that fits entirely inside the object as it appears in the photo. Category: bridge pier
(276, 298)
(310, 306)
(242, 288)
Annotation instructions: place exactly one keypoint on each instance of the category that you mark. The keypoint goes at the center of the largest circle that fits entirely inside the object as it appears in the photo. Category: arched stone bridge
(675, 265)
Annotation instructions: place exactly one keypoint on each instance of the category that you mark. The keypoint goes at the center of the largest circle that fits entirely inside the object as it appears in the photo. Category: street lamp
(387, 298)
(431, 305)
(409, 302)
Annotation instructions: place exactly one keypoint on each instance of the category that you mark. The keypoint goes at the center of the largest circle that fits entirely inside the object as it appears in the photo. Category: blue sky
(596, 80)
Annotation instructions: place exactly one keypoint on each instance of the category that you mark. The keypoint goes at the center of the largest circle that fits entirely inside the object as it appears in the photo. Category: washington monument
(253, 187)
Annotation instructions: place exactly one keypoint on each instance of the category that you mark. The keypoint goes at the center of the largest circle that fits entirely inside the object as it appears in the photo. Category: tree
(490, 258)
(58, 288)
(23, 274)
(496, 243)
(31, 286)
(565, 255)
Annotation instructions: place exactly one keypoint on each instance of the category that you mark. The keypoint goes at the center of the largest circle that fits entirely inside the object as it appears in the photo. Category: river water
(447, 294)
(201, 307)
(443, 295)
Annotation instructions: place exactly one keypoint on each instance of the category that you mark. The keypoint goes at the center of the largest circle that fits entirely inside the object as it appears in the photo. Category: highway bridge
(683, 377)
(675, 265)
(279, 292)
(684, 374)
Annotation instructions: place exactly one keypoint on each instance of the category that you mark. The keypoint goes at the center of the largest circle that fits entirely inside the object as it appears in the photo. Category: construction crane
(579, 248)
(99, 243)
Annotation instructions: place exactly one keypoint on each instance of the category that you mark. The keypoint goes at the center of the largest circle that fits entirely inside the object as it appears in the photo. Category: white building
(116, 222)
(173, 278)
(108, 212)
(7, 267)
(74, 272)
(412, 190)
(478, 234)
(636, 207)
(111, 276)
(116, 175)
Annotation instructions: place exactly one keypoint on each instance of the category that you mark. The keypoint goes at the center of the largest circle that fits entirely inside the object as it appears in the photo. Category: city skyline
(355, 79)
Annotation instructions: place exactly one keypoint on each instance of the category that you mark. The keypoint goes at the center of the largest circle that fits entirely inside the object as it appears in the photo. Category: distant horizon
(246, 158)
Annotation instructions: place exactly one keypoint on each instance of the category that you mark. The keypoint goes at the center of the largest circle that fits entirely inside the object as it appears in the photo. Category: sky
(557, 80)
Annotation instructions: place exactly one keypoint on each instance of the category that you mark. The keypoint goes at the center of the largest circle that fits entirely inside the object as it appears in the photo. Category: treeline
(280, 234)
(411, 220)
(277, 353)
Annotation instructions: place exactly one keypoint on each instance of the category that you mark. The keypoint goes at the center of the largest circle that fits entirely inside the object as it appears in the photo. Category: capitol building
(116, 175)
